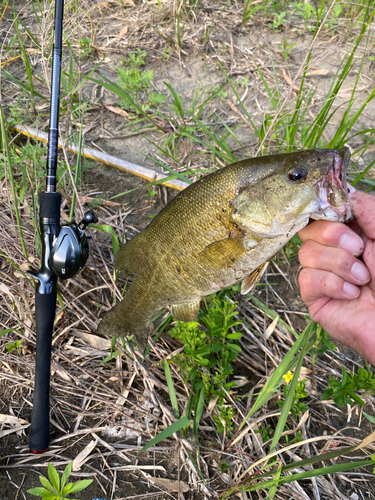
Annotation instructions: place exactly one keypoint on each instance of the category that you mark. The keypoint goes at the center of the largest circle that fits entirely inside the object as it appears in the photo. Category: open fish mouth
(332, 190)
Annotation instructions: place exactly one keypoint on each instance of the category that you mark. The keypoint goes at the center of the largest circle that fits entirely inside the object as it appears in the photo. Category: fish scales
(217, 232)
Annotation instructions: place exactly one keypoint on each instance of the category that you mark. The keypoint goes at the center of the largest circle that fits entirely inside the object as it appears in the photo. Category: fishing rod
(64, 252)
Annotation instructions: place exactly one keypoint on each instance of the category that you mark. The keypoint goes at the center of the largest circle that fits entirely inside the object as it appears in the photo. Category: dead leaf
(271, 328)
(289, 80)
(118, 111)
(82, 457)
(319, 72)
(10, 419)
(170, 484)
(123, 32)
(10, 431)
(93, 340)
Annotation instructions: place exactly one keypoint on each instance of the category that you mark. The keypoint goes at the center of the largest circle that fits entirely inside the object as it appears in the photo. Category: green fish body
(223, 229)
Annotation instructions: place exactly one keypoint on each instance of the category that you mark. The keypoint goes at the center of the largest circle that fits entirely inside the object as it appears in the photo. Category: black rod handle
(45, 305)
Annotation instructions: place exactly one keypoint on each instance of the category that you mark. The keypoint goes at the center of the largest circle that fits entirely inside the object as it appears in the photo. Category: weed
(151, 193)
(85, 46)
(286, 48)
(299, 393)
(322, 344)
(54, 489)
(213, 349)
(248, 11)
(11, 346)
(344, 392)
(134, 80)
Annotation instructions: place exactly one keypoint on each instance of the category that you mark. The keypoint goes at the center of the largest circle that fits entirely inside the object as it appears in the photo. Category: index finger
(335, 234)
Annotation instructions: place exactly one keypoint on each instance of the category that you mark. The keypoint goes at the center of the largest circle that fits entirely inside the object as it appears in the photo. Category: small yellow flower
(288, 377)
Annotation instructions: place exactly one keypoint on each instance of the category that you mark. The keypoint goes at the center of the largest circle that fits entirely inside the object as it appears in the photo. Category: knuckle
(305, 253)
(344, 260)
(327, 232)
(304, 279)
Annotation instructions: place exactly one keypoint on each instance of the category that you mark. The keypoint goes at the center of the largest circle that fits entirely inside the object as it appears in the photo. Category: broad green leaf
(66, 474)
(369, 417)
(78, 486)
(234, 336)
(47, 484)
(234, 347)
(54, 476)
(168, 432)
(40, 492)
(7, 330)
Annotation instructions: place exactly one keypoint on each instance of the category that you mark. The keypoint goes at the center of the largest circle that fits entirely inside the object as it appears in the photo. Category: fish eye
(297, 174)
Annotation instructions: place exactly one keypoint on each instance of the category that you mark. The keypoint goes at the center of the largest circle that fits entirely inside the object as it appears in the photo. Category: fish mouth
(332, 190)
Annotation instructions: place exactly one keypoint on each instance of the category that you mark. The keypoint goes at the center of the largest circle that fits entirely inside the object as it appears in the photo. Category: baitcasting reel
(71, 250)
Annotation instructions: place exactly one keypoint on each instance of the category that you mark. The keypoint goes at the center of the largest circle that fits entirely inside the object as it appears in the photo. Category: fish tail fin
(116, 324)
(124, 258)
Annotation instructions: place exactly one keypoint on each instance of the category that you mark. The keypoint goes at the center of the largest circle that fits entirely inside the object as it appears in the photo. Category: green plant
(323, 343)
(54, 489)
(299, 393)
(286, 48)
(206, 359)
(85, 46)
(133, 80)
(248, 11)
(344, 392)
(11, 346)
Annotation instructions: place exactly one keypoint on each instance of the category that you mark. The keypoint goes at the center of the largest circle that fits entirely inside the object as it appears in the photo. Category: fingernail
(351, 243)
(351, 290)
(360, 272)
(351, 189)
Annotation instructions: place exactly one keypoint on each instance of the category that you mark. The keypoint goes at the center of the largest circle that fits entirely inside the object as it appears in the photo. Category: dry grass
(98, 409)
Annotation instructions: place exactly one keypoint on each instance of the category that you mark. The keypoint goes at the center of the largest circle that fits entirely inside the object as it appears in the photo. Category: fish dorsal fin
(224, 253)
(253, 279)
(124, 258)
(187, 311)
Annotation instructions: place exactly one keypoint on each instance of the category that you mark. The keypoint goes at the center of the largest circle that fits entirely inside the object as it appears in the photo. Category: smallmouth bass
(223, 229)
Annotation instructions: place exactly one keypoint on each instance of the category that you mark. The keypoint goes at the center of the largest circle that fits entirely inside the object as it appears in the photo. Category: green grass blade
(23, 86)
(176, 100)
(199, 407)
(109, 229)
(172, 392)
(166, 433)
(77, 173)
(362, 174)
(238, 99)
(276, 378)
(289, 399)
(323, 471)
(116, 89)
(5, 144)
(25, 57)
(31, 35)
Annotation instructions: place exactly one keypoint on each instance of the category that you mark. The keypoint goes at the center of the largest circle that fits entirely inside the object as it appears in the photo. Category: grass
(189, 375)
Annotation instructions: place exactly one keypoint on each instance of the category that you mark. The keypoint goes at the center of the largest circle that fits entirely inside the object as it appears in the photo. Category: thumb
(363, 208)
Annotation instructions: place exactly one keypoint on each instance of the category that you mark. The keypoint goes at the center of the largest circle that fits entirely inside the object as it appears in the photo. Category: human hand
(337, 287)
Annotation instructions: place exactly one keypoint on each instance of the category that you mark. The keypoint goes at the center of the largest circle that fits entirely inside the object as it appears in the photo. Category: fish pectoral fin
(124, 258)
(224, 253)
(186, 312)
(253, 279)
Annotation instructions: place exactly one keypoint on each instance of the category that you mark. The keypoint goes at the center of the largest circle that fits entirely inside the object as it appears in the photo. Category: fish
(222, 229)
